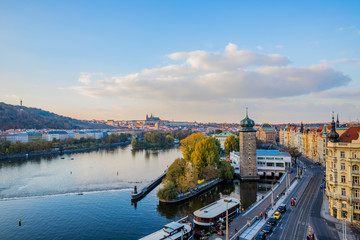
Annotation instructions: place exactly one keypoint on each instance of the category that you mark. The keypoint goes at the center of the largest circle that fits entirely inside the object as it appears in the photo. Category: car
(321, 186)
(290, 171)
(282, 208)
(277, 215)
(272, 220)
(260, 236)
(293, 202)
(267, 229)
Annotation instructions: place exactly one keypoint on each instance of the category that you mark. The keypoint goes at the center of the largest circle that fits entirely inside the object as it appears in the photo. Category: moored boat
(212, 213)
(180, 230)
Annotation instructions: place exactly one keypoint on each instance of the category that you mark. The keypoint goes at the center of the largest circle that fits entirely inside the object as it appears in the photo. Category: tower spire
(246, 111)
(333, 135)
(337, 120)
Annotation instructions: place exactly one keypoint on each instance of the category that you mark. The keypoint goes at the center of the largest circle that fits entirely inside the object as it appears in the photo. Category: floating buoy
(19, 222)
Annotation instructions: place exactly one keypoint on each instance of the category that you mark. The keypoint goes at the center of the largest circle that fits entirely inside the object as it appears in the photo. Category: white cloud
(346, 60)
(86, 78)
(216, 77)
(279, 46)
(340, 29)
(259, 48)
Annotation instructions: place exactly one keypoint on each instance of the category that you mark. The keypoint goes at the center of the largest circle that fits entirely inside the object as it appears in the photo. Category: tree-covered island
(200, 163)
(158, 139)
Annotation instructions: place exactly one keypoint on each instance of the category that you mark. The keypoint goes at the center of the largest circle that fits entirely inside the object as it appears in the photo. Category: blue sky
(183, 60)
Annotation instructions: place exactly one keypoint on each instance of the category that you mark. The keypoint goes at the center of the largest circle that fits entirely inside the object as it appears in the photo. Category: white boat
(180, 230)
(212, 213)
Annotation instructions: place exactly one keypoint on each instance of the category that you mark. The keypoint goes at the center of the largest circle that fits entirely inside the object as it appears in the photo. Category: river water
(87, 195)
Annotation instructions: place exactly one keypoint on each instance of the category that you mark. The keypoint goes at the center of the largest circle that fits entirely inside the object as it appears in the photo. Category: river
(87, 195)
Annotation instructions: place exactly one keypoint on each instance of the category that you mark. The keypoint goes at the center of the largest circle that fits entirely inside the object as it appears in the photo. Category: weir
(136, 196)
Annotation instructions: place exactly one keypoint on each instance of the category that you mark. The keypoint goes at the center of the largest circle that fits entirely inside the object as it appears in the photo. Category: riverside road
(294, 224)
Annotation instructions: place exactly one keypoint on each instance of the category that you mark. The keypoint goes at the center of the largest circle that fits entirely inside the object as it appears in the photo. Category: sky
(203, 61)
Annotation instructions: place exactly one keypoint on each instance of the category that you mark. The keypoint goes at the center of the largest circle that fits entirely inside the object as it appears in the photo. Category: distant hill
(20, 117)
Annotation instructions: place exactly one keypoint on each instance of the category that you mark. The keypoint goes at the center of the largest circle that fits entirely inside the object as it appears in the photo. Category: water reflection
(99, 170)
(247, 192)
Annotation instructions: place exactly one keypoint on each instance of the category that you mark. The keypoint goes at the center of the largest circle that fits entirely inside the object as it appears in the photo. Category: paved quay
(260, 207)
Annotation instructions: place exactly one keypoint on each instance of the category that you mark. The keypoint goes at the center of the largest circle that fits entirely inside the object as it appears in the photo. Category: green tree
(226, 170)
(176, 170)
(168, 191)
(294, 153)
(217, 131)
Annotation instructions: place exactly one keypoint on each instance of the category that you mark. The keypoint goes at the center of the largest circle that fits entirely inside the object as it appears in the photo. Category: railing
(355, 172)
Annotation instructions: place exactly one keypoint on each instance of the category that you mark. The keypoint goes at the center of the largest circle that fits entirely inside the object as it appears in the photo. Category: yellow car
(277, 215)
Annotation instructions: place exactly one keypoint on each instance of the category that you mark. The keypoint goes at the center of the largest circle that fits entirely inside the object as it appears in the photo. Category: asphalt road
(294, 224)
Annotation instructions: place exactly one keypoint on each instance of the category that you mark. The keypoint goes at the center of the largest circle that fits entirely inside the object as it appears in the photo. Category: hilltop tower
(247, 142)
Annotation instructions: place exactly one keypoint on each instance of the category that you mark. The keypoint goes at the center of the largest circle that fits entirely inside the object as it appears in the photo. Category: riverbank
(65, 151)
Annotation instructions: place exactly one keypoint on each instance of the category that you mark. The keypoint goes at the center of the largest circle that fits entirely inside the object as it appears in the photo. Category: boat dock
(136, 196)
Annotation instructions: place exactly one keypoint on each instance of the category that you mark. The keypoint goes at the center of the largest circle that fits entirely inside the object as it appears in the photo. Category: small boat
(71, 158)
(182, 229)
(216, 211)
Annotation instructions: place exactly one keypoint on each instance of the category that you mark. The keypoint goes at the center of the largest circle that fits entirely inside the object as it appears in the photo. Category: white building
(269, 162)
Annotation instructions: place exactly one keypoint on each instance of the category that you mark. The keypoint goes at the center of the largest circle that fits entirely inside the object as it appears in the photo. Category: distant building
(34, 136)
(60, 135)
(152, 118)
(266, 133)
(17, 136)
(221, 137)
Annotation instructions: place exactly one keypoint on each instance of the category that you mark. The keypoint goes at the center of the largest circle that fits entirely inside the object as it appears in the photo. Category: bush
(167, 192)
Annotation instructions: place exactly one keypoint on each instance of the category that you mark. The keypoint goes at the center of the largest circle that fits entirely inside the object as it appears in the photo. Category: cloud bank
(203, 76)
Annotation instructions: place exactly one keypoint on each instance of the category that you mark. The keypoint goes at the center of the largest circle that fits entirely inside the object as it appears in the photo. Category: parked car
(290, 171)
(272, 220)
(260, 236)
(277, 215)
(282, 208)
(267, 229)
(321, 186)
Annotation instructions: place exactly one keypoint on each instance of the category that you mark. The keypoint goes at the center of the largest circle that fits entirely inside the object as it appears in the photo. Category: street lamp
(227, 219)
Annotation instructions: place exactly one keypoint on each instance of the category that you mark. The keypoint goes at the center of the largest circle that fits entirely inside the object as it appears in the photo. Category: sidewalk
(325, 213)
(251, 232)
(251, 214)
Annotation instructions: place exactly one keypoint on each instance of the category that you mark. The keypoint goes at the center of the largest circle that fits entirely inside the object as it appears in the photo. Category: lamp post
(227, 219)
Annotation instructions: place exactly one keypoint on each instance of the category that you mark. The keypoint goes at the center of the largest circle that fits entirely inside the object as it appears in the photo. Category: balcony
(344, 198)
(354, 160)
(355, 172)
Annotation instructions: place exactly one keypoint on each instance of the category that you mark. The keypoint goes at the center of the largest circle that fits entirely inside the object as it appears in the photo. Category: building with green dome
(247, 142)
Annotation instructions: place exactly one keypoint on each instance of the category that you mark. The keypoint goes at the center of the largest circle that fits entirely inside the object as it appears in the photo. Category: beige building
(266, 133)
(342, 173)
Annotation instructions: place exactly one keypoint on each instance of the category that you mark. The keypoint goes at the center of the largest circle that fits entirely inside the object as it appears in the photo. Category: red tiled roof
(351, 134)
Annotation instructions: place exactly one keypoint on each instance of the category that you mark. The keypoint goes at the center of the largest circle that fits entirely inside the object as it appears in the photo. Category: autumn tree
(231, 144)
(187, 145)
(206, 152)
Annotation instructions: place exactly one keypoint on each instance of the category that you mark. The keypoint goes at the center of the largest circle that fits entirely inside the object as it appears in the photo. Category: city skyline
(183, 61)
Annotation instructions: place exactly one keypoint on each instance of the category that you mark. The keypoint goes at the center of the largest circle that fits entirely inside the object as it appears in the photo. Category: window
(343, 192)
(357, 216)
(279, 164)
(342, 166)
(331, 178)
(278, 158)
(355, 168)
(343, 214)
(343, 205)
(342, 154)
(354, 155)
(270, 164)
(356, 180)
(356, 193)
(343, 180)
(356, 206)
